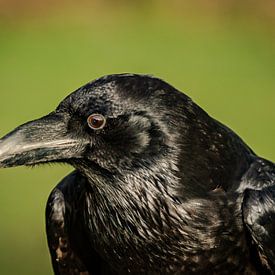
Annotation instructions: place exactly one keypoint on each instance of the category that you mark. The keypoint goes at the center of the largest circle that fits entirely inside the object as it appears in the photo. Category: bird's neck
(211, 156)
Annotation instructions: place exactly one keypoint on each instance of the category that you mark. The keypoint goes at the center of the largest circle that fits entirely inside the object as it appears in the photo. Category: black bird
(159, 186)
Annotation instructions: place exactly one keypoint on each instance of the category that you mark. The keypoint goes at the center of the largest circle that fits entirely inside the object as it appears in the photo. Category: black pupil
(96, 122)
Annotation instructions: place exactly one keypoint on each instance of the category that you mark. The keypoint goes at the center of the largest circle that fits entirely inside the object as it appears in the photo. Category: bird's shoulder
(258, 207)
(61, 214)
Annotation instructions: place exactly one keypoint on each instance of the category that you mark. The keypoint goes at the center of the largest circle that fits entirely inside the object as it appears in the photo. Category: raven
(159, 186)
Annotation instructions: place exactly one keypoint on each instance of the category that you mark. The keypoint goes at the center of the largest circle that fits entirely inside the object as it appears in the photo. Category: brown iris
(96, 121)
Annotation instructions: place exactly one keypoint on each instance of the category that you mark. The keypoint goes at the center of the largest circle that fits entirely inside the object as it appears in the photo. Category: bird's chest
(141, 245)
(161, 257)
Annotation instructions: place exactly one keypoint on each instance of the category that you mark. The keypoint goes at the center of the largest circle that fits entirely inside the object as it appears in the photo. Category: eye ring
(96, 121)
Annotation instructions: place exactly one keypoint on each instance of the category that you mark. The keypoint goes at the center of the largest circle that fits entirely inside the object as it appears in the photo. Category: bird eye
(96, 121)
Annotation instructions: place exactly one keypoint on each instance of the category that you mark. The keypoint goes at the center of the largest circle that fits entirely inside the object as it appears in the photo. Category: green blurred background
(221, 53)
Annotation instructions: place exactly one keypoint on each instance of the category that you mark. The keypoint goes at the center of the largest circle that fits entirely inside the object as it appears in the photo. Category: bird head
(114, 123)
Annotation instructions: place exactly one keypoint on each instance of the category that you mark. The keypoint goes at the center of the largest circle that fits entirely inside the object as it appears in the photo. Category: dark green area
(226, 67)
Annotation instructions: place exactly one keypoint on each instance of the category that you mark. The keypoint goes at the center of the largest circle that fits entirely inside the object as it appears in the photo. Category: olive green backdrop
(221, 55)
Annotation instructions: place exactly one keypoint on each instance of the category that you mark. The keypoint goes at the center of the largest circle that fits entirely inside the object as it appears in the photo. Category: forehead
(93, 99)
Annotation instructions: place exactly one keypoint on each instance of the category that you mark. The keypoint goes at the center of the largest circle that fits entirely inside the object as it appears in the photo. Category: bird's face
(114, 123)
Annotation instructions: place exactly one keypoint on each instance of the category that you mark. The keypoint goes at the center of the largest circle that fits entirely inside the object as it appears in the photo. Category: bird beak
(39, 141)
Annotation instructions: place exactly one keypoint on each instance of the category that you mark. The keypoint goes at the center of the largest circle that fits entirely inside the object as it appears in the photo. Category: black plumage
(160, 187)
